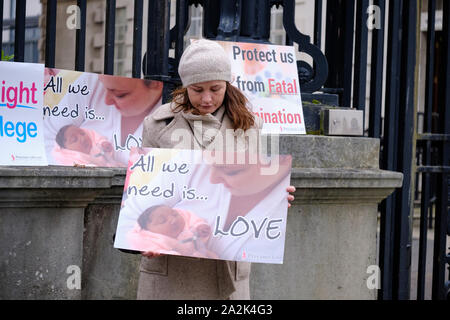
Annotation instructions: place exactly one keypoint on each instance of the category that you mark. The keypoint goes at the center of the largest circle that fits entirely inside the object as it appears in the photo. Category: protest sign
(267, 75)
(94, 120)
(190, 203)
(21, 127)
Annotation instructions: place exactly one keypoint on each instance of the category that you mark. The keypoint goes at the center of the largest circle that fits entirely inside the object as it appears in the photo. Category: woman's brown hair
(235, 104)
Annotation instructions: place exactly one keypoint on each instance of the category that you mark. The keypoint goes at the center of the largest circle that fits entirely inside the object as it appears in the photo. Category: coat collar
(214, 119)
(205, 127)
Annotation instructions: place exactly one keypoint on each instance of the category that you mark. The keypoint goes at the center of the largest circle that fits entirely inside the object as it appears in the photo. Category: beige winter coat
(173, 277)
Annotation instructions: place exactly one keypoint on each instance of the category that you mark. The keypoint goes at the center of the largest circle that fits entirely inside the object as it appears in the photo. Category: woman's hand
(203, 230)
(290, 197)
(151, 254)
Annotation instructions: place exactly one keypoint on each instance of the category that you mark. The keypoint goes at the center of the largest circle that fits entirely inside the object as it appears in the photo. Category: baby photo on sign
(200, 204)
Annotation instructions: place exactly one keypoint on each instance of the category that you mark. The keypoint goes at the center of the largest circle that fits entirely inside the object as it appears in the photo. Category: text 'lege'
(20, 130)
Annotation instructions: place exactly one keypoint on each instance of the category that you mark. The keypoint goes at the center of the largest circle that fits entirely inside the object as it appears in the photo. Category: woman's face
(207, 97)
(131, 97)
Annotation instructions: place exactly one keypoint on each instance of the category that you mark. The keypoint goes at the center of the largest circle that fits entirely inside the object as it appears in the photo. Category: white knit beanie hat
(204, 60)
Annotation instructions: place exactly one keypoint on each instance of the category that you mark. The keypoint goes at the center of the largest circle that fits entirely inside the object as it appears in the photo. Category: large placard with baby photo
(267, 74)
(94, 120)
(205, 204)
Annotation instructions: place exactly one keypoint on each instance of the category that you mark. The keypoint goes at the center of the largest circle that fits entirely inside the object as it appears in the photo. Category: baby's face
(76, 139)
(166, 221)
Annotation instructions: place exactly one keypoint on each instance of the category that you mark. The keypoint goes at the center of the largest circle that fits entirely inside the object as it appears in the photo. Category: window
(32, 30)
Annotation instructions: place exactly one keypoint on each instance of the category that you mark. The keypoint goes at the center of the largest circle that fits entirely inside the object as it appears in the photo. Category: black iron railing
(19, 31)
(376, 74)
(80, 40)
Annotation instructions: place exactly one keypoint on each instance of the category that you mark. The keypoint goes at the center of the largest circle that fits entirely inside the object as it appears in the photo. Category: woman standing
(197, 118)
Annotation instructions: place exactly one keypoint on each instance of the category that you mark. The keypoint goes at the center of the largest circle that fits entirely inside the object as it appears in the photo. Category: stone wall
(52, 218)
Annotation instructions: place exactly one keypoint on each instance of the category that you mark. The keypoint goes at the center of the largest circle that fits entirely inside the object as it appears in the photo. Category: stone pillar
(331, 235)
(51, 227)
